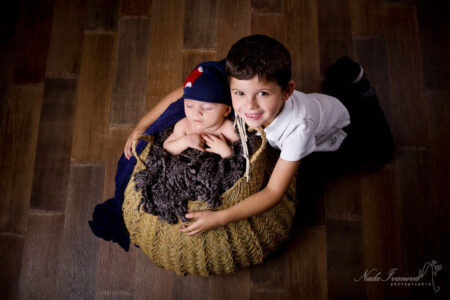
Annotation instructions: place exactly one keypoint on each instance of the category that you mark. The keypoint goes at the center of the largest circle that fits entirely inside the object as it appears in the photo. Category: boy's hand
(217, 144)
(206, 220)
(195, 141)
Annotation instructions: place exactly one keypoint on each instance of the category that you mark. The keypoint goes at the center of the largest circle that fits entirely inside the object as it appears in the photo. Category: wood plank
(151, 281)
(382, 233)
(19, 134)
(92, 112)
(39, 263)
(343, 196)
(66, 41)
(102, 15)
(113, 296)
(405, 77)
(273, 26)
(11, 248)
(9, 19)
(33, 39)
(421, 231)
(78, 255)
(400, 2)
(303, 44)
(231, 286)
(438, 108)
(308, 263)
(267, 6)
(434, 27)
(115, 269)
(418, 205)
(334, 31)
(166, 43)
(191, 58)
(52, 165)
(263, 294)
(117, 138)
(128, 98)
(200, 24)
(190, 287)
(344, 259)
(135, 8)
(366, 17)
(232, 24)
(271, 276)
(371, 53)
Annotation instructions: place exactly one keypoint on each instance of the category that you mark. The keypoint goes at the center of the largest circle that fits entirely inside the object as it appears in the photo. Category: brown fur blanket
(169, 182)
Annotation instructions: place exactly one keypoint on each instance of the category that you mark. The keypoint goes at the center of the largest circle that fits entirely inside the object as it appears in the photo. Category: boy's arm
(151, 117)
(265, 199)
(279, 181)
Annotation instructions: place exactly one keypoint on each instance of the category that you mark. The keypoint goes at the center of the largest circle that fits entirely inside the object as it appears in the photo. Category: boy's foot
(346, 70)
(348, 74)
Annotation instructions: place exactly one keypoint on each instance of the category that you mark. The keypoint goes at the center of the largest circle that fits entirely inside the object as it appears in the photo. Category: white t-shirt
(307, 123)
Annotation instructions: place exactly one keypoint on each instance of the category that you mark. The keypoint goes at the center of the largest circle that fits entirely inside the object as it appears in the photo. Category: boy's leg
(369, 137)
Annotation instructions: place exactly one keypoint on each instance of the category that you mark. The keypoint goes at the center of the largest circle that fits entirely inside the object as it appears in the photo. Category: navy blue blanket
(107, 220)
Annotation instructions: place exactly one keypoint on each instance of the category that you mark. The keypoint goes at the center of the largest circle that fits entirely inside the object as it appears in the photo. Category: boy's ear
(287, 92)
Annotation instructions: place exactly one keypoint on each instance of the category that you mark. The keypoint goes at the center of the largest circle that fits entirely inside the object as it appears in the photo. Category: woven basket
(220, 250)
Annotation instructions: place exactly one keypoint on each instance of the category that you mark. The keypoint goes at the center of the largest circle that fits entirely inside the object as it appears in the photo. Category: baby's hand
(195, 141)
(217, 144)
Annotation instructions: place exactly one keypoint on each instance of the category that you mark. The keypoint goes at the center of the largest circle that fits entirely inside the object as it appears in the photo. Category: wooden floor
(77, 75)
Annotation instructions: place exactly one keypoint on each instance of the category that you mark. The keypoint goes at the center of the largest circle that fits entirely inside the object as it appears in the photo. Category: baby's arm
(150, 117)
(220, 144)
(179, 140)
(257, 203)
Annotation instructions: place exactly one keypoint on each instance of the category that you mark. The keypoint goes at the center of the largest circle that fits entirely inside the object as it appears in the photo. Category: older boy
(263, 95)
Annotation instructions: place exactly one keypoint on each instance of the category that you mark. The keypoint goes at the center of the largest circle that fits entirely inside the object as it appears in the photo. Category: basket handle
(147, 138)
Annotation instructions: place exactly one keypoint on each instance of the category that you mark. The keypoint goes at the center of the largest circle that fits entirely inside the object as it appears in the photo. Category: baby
(207, 103)
(169, 181)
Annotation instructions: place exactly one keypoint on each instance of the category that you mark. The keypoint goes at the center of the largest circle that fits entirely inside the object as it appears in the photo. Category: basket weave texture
(220, 250)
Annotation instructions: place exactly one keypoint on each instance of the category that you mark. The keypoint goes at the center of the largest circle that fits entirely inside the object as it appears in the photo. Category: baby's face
(205, 116)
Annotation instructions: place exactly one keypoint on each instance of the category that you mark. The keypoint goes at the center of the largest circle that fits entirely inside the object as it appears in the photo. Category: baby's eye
(263, 93)
(238, 93)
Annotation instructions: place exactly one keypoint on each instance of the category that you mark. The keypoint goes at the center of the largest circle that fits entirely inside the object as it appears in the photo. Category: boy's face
(205, 116)
(258, 102)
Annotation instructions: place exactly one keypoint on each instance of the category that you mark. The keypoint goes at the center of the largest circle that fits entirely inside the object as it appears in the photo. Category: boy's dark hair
(262, 56)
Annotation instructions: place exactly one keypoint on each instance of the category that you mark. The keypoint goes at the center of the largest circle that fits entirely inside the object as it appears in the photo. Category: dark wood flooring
(76, 76)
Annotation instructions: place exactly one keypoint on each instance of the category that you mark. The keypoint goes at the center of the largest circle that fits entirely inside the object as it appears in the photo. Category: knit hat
(208, 83)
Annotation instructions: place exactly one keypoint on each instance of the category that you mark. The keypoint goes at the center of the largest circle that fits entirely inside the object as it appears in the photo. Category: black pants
(368, 142)
(369, 139)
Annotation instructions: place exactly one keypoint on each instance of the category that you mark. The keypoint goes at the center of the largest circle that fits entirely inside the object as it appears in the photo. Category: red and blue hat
(208, 83)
